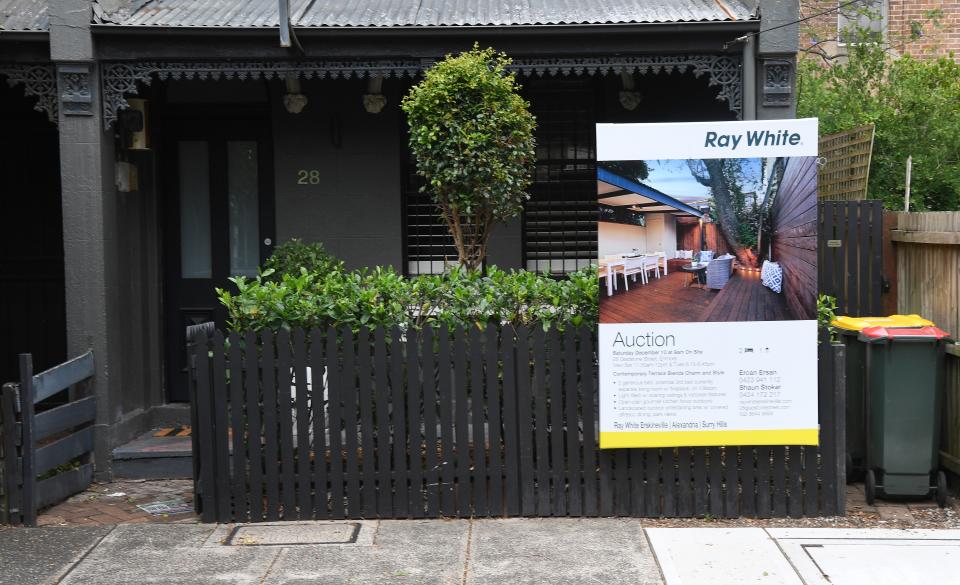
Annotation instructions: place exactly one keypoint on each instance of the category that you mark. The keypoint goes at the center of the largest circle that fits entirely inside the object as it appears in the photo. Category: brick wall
(821, 32)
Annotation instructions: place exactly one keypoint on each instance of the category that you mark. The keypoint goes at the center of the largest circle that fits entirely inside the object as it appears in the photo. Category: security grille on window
(560, 219)
(863, 21)
(430, 248)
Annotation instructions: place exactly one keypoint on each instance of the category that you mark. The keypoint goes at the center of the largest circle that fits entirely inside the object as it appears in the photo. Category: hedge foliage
(290, 294)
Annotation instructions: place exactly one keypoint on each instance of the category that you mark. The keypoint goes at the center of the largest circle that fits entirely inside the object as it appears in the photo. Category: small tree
(472, 136)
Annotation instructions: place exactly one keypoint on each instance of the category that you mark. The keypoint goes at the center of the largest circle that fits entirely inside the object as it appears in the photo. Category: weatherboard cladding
(424, 13)
(23, 15)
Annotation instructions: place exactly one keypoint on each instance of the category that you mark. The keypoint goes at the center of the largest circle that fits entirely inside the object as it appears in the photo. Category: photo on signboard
(707, 240)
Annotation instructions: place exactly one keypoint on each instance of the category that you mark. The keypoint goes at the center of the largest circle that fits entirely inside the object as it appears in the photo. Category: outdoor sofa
(719, 271)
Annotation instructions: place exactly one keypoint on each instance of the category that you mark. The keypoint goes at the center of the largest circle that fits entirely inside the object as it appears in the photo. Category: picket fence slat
(462, 423)
(414, 418)
(429, 375)
(319, 389)
(384, 479)
(572, 424)
(461, 383)
(495, 450)
(348, 385)
(479, 424)
(335, 426)
(588, 389)
(270, 429)
(237, 460)
(398, 418)
(446, 453)
(556, 424)
(540, 422)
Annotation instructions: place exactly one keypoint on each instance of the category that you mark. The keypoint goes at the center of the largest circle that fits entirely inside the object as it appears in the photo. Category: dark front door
(218, 224)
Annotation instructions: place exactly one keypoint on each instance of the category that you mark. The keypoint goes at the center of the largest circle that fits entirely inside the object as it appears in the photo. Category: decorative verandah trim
(122, 79)
(39, 80)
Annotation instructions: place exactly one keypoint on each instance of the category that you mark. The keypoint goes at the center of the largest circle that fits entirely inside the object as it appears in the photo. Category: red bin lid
(904, 332)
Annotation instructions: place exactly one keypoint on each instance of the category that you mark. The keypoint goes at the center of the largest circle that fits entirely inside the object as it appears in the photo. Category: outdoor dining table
(698, 272)
(611, 267)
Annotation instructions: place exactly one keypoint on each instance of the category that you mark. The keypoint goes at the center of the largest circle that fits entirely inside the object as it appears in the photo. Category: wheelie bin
(903, 398)
(849, 329)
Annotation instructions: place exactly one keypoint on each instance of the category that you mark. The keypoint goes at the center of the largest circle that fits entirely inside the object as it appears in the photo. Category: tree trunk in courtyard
(712, 175)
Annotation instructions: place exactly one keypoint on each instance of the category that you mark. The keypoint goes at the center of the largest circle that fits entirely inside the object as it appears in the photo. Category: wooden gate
(406, 424)
(850, 259)
(46, 455)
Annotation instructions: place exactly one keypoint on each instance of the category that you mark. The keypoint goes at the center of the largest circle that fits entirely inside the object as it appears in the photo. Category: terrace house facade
(153, 148)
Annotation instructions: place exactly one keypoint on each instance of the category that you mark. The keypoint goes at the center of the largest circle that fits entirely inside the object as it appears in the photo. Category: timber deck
(669, 300)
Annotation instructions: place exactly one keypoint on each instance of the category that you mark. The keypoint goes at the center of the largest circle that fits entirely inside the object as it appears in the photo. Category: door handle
(267, 242)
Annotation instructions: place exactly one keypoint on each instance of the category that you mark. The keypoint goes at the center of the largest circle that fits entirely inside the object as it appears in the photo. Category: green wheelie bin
(849, 329)
(903, 385)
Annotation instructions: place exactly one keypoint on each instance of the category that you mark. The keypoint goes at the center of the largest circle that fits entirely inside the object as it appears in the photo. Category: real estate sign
(708, 332)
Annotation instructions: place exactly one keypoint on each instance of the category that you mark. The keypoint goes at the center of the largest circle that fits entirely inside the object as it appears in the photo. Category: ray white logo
(754, 138)
(728, 139)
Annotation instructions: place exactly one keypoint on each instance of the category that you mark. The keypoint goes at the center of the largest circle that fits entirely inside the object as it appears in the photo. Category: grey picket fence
(47, 455)
(329, 424)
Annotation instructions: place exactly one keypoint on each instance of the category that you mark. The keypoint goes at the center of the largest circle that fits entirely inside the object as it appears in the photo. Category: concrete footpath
(515, 551)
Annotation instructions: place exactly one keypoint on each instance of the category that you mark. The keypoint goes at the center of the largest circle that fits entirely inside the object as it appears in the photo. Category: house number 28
(308, 177)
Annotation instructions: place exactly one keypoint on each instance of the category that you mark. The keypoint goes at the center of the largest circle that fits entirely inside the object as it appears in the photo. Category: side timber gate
(458, 423)
(850, 255)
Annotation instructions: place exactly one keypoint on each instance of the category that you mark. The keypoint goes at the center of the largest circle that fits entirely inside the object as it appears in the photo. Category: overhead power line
(838, 8)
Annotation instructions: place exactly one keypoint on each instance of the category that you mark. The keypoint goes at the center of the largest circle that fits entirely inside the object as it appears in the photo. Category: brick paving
(103, 504)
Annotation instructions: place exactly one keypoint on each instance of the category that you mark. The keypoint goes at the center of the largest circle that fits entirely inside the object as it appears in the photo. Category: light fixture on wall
(373, 100)
(629, 98)
(293, 100)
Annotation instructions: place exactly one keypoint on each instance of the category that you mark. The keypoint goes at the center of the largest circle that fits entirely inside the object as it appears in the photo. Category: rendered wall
(616, 238)
(354, 207)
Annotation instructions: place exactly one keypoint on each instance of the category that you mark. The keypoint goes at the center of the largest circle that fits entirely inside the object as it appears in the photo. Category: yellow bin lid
(859, 323)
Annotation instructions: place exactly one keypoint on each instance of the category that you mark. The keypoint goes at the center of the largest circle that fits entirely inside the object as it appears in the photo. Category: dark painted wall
(338, 171)
(794, 238)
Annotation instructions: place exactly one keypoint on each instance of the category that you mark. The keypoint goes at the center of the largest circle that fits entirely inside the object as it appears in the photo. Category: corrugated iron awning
(424, 14)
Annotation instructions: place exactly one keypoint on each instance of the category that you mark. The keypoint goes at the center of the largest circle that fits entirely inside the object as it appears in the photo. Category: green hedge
(289, 294)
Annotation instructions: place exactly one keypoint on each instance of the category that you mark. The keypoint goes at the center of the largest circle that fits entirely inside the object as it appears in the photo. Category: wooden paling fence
(454, 423)
(46, 455)
(927, 247)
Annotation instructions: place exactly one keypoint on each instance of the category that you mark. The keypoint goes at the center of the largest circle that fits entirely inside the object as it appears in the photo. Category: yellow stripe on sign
(623, 440)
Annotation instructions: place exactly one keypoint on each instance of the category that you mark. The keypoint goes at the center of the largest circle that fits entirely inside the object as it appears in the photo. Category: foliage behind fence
(441, 423)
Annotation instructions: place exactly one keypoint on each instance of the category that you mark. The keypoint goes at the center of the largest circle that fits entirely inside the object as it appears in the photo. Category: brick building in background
(893, 20)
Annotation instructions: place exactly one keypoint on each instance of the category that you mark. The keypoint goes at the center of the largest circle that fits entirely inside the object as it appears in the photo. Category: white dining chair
(632, 267)
(650, 263)
(662, 258)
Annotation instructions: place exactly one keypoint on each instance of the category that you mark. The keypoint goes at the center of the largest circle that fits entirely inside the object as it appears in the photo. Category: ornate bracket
(76, 97)
(39, 81)
(121, 79)
(777, 82)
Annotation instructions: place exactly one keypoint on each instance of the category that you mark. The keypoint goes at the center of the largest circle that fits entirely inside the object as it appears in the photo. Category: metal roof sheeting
(423, 13)
(24, 15)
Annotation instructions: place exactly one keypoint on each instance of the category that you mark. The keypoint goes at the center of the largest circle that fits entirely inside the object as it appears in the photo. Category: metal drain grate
(293, 534)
